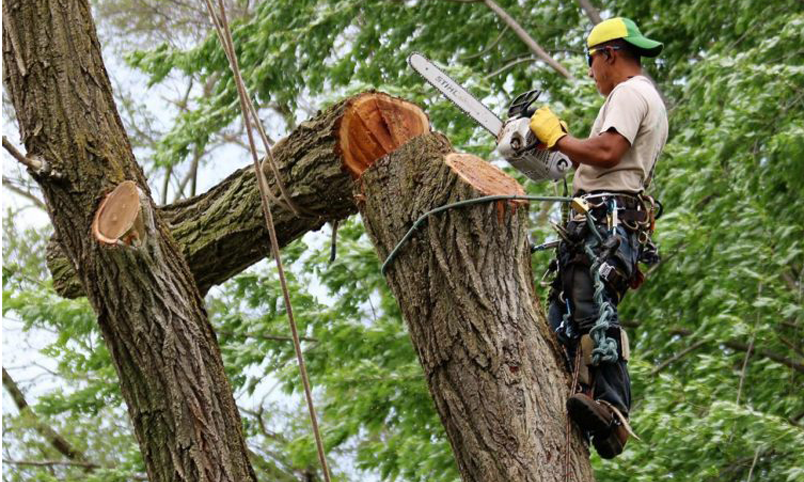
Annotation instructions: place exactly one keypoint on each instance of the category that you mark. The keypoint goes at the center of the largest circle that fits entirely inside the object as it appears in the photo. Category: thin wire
(498, 197)
(226, 39)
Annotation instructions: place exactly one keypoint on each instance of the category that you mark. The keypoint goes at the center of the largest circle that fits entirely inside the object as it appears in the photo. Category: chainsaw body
(515, 141)
(520, 148)
(517, 144)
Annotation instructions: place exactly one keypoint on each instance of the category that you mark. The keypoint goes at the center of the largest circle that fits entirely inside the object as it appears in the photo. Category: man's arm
(605, 150)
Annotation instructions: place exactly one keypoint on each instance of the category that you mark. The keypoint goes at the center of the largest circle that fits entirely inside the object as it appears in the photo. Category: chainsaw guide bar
(453, 91)
(516, 143)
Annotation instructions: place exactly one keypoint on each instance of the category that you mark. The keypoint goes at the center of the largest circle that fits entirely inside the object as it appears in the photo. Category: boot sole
(608, 448)
(585, 415)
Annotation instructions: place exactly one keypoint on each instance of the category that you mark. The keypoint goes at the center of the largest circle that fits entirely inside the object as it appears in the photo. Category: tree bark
(148, 307)
(464, 283)
(222, 232)
(465, 287)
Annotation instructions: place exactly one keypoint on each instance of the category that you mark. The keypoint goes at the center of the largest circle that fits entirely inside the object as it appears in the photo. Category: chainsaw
(516, 143)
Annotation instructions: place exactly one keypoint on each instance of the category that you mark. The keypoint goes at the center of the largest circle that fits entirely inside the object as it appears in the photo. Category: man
(613, 169)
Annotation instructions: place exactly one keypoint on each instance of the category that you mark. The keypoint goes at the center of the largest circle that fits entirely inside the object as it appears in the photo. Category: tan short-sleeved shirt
(636, 111)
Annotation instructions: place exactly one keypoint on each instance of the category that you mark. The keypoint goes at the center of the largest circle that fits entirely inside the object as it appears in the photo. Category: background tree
(717, 331)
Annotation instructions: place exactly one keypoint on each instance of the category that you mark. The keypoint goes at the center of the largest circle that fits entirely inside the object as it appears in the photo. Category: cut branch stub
(118, 219)
(483, 176)
(375, 125)
(486, 179)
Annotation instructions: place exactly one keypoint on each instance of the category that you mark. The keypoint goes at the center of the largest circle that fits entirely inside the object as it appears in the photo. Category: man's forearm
(588, 151)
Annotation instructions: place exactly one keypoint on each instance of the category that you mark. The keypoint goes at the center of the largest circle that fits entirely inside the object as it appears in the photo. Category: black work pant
(573, 292)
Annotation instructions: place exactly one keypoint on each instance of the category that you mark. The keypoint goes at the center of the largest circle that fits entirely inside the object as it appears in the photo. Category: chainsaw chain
(468, 114)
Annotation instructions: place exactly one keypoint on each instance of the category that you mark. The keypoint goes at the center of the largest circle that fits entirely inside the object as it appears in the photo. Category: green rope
(467, 202)
(605, 346)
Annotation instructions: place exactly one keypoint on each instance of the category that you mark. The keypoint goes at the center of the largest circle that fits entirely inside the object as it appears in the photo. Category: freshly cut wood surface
(117, 212)
(483, 176)
(374, 125)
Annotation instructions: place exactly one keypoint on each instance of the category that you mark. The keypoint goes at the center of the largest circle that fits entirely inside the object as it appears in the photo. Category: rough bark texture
(148, 307)
(465, 287)
(222, 232)
(464, 282)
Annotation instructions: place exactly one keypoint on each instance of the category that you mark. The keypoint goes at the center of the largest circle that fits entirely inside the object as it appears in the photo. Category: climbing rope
(605, 346)
(225, 37)
(499, 197)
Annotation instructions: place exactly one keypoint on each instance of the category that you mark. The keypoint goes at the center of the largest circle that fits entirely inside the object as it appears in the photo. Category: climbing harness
(598, 244)
(606, 348)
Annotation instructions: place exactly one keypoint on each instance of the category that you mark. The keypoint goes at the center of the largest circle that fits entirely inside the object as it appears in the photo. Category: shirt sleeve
(626, 110)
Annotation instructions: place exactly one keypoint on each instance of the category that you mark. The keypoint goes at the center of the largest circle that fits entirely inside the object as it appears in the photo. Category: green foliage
(361, 354)
(730, 281)
(731, 179)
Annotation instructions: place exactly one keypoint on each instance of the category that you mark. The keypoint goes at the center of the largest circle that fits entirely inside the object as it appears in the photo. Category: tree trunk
(222, 232)
(464, 282)
(149, 310)
(465, 287)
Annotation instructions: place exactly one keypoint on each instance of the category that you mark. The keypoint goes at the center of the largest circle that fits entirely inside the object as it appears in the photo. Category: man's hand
(547, 127)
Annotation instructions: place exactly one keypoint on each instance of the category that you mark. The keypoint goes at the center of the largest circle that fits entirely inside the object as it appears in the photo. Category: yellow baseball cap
(626, 29)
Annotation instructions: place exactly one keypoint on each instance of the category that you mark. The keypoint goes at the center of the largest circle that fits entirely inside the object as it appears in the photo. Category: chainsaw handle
(521, 106)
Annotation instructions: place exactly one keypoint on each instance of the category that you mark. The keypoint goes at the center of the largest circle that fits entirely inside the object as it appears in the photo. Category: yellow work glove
(547, 127)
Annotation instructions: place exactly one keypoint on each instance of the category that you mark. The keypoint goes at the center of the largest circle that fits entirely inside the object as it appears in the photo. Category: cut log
(222, 231)
(465, 287)
(376, 125)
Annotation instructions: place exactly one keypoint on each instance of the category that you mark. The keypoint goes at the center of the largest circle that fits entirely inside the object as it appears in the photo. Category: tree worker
(614, 167)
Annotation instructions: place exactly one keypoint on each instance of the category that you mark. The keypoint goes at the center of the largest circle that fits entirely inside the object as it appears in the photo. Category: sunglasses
(592, 52)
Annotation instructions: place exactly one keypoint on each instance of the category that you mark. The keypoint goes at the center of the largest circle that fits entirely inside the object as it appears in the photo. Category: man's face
(601, 69)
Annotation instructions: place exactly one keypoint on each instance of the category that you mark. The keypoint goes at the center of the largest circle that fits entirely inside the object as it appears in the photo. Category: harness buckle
(580, 205)
(605, 270)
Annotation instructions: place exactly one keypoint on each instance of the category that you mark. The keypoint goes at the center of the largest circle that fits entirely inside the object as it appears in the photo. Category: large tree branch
(147, 304)
(222, 232)
(465, 287)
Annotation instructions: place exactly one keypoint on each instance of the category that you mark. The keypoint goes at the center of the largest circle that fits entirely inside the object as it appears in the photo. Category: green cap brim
(646, 46)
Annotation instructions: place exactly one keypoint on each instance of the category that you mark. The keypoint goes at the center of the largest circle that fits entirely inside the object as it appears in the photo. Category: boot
(588, 414)
(609, 434)
(611, 445)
